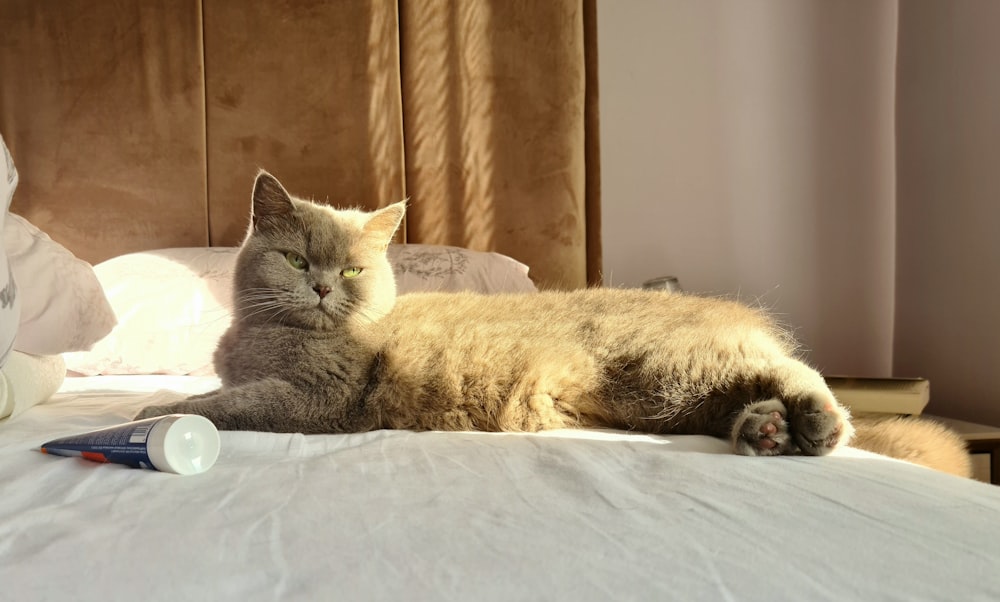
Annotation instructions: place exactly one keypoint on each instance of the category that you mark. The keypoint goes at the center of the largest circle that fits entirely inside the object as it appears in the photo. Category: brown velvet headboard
(139, 125)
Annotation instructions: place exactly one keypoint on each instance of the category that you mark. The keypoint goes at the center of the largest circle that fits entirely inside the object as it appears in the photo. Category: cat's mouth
(323, 309)
(326, 313)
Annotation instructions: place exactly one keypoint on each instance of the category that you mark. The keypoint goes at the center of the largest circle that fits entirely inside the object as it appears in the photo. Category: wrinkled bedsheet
(573, 515)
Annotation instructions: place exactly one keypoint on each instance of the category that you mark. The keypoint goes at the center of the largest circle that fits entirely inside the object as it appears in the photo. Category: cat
(320, 344)
(918, 440)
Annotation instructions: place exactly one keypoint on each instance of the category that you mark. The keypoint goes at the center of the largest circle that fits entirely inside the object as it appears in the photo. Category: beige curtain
(495, 107)
(138, 125)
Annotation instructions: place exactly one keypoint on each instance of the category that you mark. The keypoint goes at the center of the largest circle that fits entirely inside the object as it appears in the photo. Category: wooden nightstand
(984, 446)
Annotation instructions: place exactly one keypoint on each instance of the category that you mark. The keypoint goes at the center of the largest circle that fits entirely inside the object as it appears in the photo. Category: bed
(120, 259)
(581, 514)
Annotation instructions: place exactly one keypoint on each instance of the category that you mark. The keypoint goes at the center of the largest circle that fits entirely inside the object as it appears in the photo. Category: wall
(747, 148)
(948, 127)
(775, 151)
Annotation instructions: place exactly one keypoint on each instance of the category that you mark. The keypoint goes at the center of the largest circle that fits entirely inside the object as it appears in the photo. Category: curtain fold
(592, 147)
(496, 106)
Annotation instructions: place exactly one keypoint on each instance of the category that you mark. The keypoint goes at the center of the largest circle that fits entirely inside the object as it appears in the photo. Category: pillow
(10, 302)
(174, 304)
(63, 307)
(172, 307)
(440, 268)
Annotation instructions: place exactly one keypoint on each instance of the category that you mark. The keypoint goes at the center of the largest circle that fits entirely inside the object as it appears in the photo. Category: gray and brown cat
(320, 343)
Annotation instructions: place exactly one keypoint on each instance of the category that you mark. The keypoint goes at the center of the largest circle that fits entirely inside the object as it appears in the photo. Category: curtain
(495, 110)
(142, 124)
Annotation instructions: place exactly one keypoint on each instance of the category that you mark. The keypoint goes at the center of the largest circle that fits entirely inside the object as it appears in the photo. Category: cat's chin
(327, 319)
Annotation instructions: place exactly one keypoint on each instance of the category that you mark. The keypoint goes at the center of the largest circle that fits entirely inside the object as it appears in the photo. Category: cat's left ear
(383, 223)
(269, 198)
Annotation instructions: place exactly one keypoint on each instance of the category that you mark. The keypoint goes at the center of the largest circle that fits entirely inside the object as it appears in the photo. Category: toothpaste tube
(178, 443)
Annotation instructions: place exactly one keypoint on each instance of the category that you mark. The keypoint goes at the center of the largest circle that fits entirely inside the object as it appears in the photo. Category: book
(881, 395)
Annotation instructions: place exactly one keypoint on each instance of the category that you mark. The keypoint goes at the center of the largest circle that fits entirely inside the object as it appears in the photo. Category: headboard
(139, 125)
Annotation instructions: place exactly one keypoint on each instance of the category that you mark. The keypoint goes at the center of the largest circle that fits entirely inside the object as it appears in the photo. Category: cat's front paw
(761, 430)
(153, 412)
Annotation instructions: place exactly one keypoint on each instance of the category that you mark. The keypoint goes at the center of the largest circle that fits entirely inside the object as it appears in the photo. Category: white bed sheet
(567, 515)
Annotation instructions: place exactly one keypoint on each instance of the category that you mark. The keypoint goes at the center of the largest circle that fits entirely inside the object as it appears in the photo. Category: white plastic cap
(183, 444)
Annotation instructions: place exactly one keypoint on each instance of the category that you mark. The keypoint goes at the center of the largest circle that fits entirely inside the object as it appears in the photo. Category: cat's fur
(918, 440)
(314, 350)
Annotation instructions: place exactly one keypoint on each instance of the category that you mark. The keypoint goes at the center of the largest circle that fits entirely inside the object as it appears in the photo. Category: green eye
(351, 272)
(296, 261)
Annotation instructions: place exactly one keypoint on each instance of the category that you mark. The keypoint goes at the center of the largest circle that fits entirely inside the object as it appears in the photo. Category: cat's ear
(383, 223)
(269, 198)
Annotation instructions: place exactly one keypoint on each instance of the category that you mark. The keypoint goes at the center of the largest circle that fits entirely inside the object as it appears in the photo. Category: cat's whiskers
(261, 298)
(366, 314)
(250, 300)
(255, 304)
(263, 306)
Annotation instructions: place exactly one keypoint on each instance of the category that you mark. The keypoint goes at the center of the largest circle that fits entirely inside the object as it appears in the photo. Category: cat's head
(312, 266)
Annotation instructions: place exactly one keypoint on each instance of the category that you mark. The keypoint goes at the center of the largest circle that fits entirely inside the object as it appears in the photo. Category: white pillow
(63, 307)
(174, 304)
(172, 307)
(10, 301)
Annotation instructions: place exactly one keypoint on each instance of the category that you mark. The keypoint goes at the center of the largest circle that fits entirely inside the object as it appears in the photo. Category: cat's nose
(322, 291)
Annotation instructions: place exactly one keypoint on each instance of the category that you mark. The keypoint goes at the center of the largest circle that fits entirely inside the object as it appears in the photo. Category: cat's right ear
(269, 198)
(383, 223)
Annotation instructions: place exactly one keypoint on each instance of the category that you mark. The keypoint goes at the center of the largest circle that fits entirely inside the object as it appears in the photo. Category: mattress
(575, 515)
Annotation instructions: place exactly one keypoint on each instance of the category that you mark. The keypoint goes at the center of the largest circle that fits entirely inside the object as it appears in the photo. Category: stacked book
(881, 395)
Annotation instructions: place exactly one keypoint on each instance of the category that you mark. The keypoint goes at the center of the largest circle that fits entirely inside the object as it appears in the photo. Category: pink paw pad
(761, 429)
(769, 429)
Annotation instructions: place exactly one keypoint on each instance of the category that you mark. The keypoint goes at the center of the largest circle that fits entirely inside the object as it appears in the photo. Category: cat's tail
(917, 440)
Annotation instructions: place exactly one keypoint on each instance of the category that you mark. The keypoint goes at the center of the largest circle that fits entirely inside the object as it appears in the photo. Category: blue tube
(177, 443)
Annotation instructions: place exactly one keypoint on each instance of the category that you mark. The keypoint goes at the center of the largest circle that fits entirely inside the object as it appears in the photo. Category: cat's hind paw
(819, 424)
(761, 430)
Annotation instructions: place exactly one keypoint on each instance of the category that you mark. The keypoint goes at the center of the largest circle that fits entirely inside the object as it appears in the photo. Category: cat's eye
(296, 261)
(351, 272)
